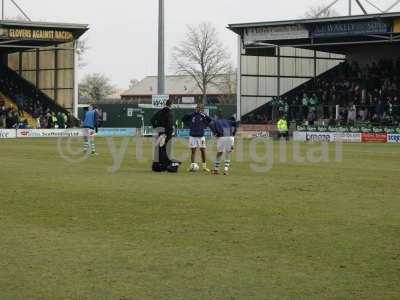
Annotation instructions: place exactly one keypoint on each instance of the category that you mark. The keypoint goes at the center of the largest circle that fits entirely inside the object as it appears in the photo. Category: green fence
(121, 116)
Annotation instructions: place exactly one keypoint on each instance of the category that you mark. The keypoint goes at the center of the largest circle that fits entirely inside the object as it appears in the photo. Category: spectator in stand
(43, 122)
(23, 124)
(352, 115)
(3, 116)
(305, 105)
(19, 99)
(380, 110)
(60, 120)
(71, 121)
(12, 119)
(363, 114)
(311, 118)
(64, 115)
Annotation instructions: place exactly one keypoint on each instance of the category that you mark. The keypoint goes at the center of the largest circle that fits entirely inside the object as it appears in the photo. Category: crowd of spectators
(9, 117)
(13, 118)
(349, 95)
(28, 99)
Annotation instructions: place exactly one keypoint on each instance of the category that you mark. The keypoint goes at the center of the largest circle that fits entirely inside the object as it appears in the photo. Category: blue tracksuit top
(90, 119)
(197, 123)
(222, 127)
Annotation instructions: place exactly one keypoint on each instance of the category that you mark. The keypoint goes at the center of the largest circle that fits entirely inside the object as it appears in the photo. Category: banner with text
(302, 136)
(393, 138)
(8, 133)
(271, 33)
(116, 132)
(50, 133)
(374, 137)
(338, 29)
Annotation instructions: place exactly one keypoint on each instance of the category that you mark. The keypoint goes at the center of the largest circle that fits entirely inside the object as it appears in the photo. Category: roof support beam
(7, 42)
(34, 47)
(362, 7)
(326, 8)
(392, 6)
(338, 44)
(374, 6)
(383, 37)
(21, 10)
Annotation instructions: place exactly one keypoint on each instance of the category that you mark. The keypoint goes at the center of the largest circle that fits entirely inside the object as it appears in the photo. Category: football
(194, 167)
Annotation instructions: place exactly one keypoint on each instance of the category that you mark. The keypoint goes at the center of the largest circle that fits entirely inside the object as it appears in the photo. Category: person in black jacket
(163, 122)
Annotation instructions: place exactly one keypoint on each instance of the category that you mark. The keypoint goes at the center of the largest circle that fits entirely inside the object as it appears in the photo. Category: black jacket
(164, 119)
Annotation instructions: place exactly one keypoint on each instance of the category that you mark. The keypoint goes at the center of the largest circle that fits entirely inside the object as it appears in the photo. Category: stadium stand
(23, 104)
(335, 71)
(367, 94)
(38, 73)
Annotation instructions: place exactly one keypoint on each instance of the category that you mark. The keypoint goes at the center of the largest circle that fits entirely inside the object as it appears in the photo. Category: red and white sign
(50, 133)
(8, 133)
(374, 138)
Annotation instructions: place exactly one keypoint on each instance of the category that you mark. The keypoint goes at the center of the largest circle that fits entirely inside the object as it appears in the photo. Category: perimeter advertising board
(50, 133)
(374, 137)
(393, 138)
(8, 133)
(348, 137)
(116, 132)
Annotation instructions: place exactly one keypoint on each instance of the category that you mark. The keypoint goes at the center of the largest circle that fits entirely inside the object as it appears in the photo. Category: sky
(122, 38)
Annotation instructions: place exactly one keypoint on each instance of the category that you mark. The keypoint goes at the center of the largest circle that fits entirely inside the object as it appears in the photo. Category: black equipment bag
(173, 168)
(158, 167)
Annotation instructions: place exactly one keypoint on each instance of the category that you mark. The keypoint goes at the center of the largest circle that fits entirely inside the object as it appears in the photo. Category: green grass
(301, 231)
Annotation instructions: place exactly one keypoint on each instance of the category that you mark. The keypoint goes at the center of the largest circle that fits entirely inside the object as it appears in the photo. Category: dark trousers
(161, 154)
(282, 134)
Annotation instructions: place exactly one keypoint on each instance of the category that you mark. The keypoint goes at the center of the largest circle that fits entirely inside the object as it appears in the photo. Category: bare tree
(226, 83)
(132, 83)
(320, 11)
(96, 87)
(202, 56)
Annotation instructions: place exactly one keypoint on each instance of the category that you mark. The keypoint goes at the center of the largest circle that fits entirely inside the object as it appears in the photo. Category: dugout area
(39, 63)
(277, 57)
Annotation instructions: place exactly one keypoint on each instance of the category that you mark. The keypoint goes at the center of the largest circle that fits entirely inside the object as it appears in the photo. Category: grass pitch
(327, 230)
